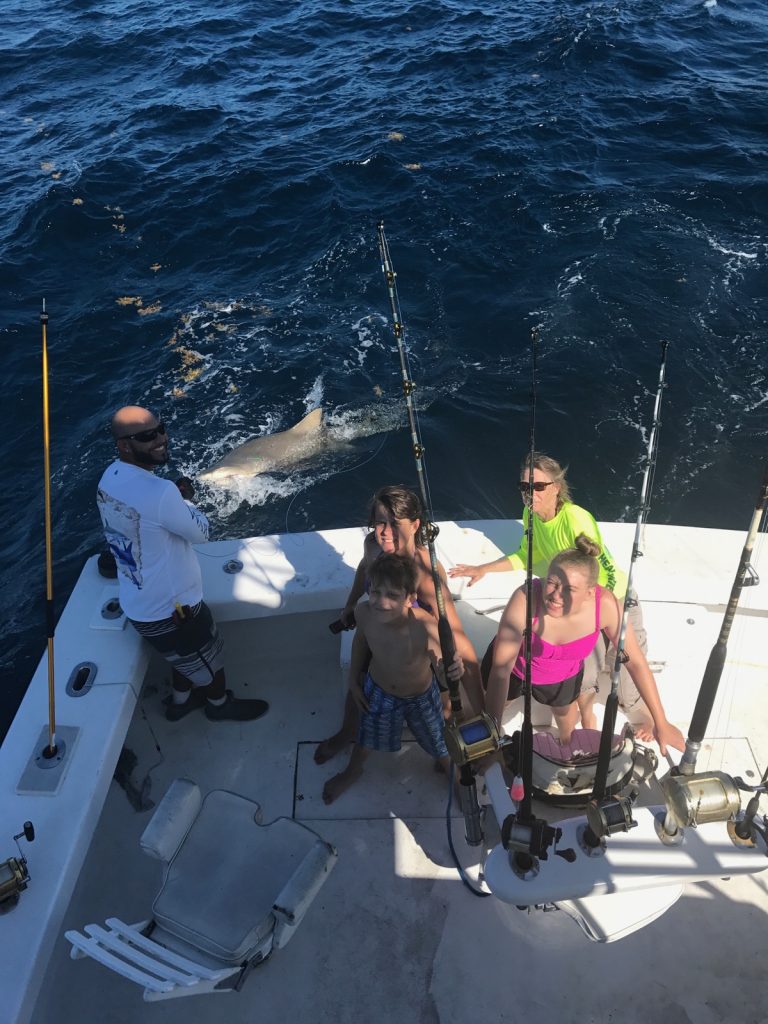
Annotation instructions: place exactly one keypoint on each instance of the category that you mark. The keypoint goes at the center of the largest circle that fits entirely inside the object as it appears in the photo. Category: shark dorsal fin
(311, 424)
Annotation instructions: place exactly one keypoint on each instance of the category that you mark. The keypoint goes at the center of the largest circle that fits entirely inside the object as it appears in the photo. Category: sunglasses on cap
(144, 436)
(538, 485)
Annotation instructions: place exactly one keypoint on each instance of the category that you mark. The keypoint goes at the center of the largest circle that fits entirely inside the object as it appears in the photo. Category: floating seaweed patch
(188, 356)
(47, 165)
(56, 175)
(155, 307)
(395, 136)
(412, 167)
(129, 300)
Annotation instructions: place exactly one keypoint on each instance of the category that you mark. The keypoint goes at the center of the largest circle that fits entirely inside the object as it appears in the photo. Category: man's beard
(147, 459)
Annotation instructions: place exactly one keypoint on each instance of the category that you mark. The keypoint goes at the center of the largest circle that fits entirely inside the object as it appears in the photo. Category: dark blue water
(194, 189)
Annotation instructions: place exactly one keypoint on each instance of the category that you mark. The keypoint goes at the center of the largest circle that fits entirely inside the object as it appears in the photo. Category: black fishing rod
(526, 837)
(622, 813)
(745, 577)
(694, 798)
(526, 733)
(478, 736)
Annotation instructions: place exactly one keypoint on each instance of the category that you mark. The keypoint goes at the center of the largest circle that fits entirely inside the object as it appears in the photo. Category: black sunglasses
(144, 436)
(538, 485)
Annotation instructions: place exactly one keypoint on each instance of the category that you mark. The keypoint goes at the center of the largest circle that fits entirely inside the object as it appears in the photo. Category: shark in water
(272, 451)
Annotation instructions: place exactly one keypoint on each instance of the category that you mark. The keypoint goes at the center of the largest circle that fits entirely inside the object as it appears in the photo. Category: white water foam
(314, 397)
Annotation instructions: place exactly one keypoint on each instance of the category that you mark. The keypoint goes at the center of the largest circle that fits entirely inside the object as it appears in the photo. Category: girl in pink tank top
(563, 604)
(554, 663)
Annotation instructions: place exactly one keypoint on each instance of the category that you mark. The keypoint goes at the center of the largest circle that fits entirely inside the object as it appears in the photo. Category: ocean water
(194, 190)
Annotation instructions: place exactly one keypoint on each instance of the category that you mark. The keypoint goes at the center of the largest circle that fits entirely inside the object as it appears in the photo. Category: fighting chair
(233, 891)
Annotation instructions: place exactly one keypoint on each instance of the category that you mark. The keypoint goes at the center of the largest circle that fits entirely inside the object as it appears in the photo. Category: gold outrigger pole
(49, 616)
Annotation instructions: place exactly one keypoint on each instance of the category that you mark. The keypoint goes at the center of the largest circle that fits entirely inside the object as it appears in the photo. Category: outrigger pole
(49, 611)
(619, 819)
(475, 737)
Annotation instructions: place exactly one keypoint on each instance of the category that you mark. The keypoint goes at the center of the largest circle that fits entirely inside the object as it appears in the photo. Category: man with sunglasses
(150, 525)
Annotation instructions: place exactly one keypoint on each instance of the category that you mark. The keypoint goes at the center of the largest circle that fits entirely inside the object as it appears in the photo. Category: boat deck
(394, 932)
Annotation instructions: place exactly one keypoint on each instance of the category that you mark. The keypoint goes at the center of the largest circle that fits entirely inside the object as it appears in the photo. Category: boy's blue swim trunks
(381, 727)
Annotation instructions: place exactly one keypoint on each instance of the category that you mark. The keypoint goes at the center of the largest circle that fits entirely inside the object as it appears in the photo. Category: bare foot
(331, 747)
(339, 783)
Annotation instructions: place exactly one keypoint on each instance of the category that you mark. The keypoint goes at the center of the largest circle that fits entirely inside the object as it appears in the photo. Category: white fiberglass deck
(394, 933)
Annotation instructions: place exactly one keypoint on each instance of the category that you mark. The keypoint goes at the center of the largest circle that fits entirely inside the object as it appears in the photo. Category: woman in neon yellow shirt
(557, 525)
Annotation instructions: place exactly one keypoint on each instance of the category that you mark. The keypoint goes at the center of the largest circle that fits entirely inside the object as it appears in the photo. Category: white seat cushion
(222, 883)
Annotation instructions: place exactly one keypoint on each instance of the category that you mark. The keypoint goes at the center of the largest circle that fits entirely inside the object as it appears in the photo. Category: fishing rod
(526, 733)
(51, 749)
(746, 576)
(469, 740)
(692, 797)
(526, 837)
(617, 814)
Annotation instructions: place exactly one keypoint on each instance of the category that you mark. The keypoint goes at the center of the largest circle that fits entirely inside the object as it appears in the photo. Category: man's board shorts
(554, 695)
(194, 647)
(381, 727)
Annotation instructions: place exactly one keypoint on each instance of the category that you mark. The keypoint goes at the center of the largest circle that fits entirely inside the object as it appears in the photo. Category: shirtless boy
(400, 686)
(395, 517)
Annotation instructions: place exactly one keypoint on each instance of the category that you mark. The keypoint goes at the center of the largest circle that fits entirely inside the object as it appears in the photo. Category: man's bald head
(140, 437)
(130, 419)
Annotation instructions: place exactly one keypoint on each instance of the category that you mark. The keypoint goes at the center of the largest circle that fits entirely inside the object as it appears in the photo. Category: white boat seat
(223, 905)
(233, 890)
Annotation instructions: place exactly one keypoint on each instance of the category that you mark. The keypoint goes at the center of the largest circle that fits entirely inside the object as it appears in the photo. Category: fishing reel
(527, 841)
(608, 818)
(704, 797)
(471, 740)
(743, 830)
(697, 799)
(466, 743)
(14, 876)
